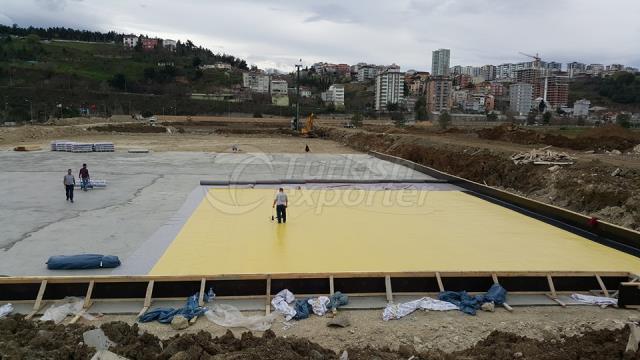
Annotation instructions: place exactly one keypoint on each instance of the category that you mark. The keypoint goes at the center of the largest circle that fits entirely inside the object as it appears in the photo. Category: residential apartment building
(581, 108)
(389, 88)
(334, 95)
(488, 72)
(595, 69)
(440, 62)
(130, 41)
(169, 44)
(553, 66)
(256, 82)
(521, 98)
(279, 87)
(439, 91)
(150, 44)
(367, 73)
(576, 68)
(417, 83)
(556, 89)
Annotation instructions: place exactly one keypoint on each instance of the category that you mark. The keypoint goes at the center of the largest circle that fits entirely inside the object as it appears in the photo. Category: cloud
(278, 32)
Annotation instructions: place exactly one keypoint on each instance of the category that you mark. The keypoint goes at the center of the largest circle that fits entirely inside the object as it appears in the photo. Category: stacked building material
(104, 147)
(60, 145)
(81, 147)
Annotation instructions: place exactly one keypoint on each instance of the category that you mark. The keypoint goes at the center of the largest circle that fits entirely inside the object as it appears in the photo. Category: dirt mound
(130, 128)
(23, 339)
(605, 138)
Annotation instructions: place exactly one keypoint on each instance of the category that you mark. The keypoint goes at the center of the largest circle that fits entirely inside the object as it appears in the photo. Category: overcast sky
(274, 34)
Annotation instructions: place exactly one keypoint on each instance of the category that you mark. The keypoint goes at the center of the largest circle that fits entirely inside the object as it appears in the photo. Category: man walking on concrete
(84, 177)
(69, 182)
(280, 203)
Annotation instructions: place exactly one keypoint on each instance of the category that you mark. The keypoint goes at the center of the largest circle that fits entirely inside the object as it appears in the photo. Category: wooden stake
(495, 278)
(439, 279)
(560, 302)
(267, 299)
(552, 288)
(203, 282)
(331, 286)
(147, 298)
(604, 289)
(38, 304)
(86, 305)
(387, 287)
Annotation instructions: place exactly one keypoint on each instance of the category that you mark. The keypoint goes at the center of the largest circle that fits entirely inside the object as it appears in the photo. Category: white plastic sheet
(319, 305)
(594, 300)
(72, 306)
(281, 303)
(229, 316)
(397, 311)
(5, 310)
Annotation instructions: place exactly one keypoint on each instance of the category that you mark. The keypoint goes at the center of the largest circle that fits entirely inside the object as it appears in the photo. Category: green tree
(444, 120)
(392, 107)
(624, 120)
(398, 118)
(547, 117)
(196, 61)
(356, 119)
(421, 109)
(492, 116)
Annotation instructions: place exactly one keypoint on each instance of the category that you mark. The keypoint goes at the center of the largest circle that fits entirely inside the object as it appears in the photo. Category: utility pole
(296, 120)
(30, 108)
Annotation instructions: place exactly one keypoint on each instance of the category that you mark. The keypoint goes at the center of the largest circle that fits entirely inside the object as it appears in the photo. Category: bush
(624, 120)
(147, 114)
(356, 119)
(257, 114)
(444, 120)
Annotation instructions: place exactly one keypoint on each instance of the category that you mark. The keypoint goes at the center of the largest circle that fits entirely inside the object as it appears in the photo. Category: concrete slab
(143, 192)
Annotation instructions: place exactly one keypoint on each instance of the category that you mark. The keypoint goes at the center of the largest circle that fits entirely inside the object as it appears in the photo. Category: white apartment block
(440, 62)
(130, 41)
(169, 44)
(334, 95)
(256, 82)
(389, 88)
(581, 107)
(521, 98)
(279, 87)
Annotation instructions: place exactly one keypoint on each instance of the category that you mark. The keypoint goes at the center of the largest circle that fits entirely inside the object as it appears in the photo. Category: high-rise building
(556, 90)
(439, 91)
(488, 72)
(334, 95)
(440, 62)
(553, 66)
(389, 88)
(521, 98)
(575, 68)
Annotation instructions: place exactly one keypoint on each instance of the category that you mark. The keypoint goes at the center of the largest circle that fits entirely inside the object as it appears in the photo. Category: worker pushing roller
(280, 203)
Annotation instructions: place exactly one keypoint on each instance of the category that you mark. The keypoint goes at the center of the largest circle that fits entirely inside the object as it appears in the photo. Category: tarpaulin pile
(190, 310)
(285, 303)
(82, 261)
(470, 304)
(397, 311)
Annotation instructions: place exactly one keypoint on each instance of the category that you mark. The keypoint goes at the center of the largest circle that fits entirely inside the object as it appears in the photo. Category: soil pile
(22, 339)
(129, 128)
(598, 139)
(588, 188)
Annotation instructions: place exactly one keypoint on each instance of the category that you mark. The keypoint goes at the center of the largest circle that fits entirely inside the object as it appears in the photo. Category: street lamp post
(296, 121)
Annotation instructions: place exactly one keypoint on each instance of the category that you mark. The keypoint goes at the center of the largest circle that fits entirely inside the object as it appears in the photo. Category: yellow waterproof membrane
(333, 231)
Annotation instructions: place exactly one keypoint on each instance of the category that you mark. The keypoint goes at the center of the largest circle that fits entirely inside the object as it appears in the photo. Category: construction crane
(536, 66)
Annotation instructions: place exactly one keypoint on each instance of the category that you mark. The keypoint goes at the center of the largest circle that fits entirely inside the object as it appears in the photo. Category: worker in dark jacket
(84, 177)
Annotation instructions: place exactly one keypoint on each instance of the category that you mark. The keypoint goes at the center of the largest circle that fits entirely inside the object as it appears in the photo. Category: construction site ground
(36, 220)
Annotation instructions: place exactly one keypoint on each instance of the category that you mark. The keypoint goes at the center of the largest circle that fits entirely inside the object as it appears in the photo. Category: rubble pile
(542, 156)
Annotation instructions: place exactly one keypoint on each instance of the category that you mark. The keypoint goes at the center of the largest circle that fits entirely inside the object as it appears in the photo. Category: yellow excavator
(307, 130)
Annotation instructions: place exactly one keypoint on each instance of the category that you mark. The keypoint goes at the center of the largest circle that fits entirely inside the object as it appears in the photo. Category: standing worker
(69, 182)
(280, 203)
(84, 177)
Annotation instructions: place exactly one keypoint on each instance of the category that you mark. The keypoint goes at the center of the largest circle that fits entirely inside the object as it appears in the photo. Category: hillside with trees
(60, 70)
(618, 92)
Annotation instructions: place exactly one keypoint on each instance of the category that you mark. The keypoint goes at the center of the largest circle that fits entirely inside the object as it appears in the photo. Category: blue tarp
(82, 261)
(469, 304)
(303, 309)
(191, 309)
(337, 299)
